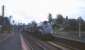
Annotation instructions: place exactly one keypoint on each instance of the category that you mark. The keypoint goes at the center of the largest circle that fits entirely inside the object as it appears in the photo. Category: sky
(25, 11)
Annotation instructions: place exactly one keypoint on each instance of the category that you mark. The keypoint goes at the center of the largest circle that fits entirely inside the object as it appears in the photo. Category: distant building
(4, 21)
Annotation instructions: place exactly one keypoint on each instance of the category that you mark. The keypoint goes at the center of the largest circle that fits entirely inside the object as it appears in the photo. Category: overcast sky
(28, 10)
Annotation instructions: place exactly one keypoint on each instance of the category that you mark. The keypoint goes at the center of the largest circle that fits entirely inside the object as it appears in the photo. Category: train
(43, 31)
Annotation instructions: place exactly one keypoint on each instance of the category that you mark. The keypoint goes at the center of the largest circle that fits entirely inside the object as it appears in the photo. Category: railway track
(55, 44)
(36, 44)
(71, 44)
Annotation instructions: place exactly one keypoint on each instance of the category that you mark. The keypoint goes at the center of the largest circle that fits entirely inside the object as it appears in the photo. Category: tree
(80, 19)
(34, 24)
(50, 18)
(59, 19)
(81, 23)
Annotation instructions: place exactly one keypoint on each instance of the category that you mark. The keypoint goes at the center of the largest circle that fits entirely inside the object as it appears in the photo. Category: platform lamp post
(13, 25)
(10, 23)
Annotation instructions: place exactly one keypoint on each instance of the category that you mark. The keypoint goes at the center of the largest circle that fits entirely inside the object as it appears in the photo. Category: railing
(71, 35)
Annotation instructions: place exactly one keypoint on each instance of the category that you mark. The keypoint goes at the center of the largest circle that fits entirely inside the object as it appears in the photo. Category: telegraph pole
(79, 28)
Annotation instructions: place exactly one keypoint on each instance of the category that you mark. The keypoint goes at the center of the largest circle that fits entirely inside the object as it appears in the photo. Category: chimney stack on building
(3, 11)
